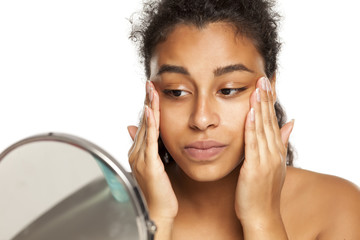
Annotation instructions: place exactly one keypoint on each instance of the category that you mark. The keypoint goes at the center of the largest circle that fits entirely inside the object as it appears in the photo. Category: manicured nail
(258, 98)
(147, 113)
(293, 123)
(288, 133)
(151, 95)
(252, 115)
(269, 85)
(264, 83)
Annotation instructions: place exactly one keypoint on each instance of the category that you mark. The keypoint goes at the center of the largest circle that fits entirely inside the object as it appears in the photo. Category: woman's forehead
(208, 48)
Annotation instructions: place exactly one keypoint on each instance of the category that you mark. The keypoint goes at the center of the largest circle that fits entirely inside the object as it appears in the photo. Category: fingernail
(151, 95)
(268, 85)
(293, 123)
(147, 112)
(291, 128)
(258, 98)
(264, 83)
(252, 114)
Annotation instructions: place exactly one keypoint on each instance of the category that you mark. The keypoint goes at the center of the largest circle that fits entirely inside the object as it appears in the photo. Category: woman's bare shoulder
(334, 201)
(329, 183)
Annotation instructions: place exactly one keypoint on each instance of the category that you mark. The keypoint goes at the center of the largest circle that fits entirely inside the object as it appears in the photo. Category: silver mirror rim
(148, 228)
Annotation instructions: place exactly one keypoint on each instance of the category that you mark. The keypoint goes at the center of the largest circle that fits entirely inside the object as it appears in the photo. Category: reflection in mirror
(56, 190)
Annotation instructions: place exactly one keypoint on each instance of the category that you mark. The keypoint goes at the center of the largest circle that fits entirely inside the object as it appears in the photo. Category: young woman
(211, 154)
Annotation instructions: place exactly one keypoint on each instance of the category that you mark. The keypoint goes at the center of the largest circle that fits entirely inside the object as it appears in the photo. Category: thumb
(285, 132)
(132, 131)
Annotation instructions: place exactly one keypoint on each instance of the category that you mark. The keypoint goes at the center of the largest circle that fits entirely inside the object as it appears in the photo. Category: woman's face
(204, 78)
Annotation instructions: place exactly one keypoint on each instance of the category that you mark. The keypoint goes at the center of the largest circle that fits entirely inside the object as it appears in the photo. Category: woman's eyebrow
(172, 69)
(217, 72)
(231, 68)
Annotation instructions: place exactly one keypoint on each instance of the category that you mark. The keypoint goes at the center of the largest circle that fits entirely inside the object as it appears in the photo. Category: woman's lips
(204, 150)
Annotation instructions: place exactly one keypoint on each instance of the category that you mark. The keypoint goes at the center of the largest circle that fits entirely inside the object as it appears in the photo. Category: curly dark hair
(254, 19)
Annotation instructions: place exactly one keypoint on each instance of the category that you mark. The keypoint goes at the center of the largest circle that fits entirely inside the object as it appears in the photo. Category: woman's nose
(204, 115)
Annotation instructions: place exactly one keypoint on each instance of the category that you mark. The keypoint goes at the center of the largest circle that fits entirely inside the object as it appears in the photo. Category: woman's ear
(273, 84)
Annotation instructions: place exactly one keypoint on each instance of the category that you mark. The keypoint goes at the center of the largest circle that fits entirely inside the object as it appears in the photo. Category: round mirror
(58, 186)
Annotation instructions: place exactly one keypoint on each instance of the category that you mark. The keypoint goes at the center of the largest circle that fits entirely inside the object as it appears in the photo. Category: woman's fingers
(136, 152)
(145, 146)
(263, 172)
(151, 150)
(139, 137)
(266, 103)
(269, 138)
(145, 162)
(276, 129)
(257, 104)
(286, 131)
(277, 140)
(152, 115)
(132, 131)
(251, 142)
(154, 103)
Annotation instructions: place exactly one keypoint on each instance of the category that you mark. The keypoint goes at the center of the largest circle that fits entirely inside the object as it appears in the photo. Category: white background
(68, 66)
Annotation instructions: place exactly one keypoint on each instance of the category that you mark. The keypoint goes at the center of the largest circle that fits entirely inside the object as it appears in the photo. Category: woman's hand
(148, 168)
(262, 174)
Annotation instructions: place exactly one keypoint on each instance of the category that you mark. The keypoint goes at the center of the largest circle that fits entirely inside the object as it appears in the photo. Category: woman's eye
(230, 91)
(175, 93)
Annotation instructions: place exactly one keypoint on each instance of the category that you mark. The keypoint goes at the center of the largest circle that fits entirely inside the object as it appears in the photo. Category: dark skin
(210, 84)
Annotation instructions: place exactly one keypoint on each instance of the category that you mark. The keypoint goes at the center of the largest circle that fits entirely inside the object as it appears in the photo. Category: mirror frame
(148, 229)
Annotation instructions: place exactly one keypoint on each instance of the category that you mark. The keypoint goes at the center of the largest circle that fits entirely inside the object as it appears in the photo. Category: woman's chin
(207, 173)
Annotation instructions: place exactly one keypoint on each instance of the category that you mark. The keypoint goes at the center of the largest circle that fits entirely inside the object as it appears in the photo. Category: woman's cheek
(173, 129)
(233, 113)
(172, 118)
